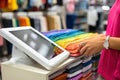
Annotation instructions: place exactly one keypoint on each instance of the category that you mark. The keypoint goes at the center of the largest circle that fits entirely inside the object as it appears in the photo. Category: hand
(92, 46)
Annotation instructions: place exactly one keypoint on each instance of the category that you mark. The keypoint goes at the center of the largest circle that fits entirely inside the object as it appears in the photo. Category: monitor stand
(19, 57)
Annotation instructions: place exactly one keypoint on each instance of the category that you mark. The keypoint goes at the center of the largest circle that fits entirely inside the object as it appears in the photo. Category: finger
(83, 49)
(101, 35)
(87, 52)
(91, 53)
(82, 43)
(80, 46)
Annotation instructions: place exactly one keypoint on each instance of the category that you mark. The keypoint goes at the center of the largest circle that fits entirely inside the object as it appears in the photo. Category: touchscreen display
(37, 42)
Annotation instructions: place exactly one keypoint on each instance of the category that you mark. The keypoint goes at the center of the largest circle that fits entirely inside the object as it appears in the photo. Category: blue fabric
(74, 69)
(62, 34)
(87, 63)
(70, 20)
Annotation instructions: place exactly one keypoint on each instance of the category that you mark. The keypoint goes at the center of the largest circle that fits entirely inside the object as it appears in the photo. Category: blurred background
(46, 15)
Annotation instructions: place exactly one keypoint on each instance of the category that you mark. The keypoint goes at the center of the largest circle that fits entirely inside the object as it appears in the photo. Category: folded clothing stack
(69, 39)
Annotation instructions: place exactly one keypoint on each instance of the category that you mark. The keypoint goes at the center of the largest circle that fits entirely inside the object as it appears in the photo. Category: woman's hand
(92, 46)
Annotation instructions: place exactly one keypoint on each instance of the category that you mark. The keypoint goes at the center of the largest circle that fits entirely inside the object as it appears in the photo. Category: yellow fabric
(63, 43)
(24, 21)
(53, 22)
(12, 5)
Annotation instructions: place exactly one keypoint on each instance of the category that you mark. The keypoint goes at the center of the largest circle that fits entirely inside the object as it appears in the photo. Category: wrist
(106, 42)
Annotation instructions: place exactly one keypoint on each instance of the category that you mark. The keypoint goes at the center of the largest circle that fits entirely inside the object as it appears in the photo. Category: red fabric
(3, 4)
(74, 47)
(43, 1)
(61, 77)
(88, 77)
(109, 65)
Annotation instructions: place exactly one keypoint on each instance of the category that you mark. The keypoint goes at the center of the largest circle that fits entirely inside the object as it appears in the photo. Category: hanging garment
(35, 3)
(35, 23)
(60, 2)
(25, 4)
(24, 21)
(43, 1)
(3, 4)
(12, 5)
(70, 20)
(43, 24)
(92, 16)
(15, 22)
(54, 22)
(6, 23)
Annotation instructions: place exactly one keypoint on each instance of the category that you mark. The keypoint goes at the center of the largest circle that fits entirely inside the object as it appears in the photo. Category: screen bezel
(47, 63)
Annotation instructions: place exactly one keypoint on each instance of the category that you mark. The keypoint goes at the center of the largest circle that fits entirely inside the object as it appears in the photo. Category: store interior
(88, 16)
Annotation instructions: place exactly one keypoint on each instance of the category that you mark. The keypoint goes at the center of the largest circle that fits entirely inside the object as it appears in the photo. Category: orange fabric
(24, 21)
(73, 47)
(61, 77)
(57, 50)
(64, 42)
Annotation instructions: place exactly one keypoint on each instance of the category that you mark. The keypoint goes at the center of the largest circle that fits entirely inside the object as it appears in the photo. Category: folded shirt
(62, 34)
(76, 77)
(56, 32)
(57, 73)
(71, 75)
(74, 69)
(24, 21)
(69, 39)
(88, 77)
(73, 46)
(64, 42)
(78, 62)
(61, 77)
(87, 63)
(87, 73)
(86, 59)
(96, 58)
(87, 68)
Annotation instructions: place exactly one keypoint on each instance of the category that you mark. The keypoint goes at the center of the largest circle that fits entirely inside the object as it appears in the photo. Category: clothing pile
(81, 68)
